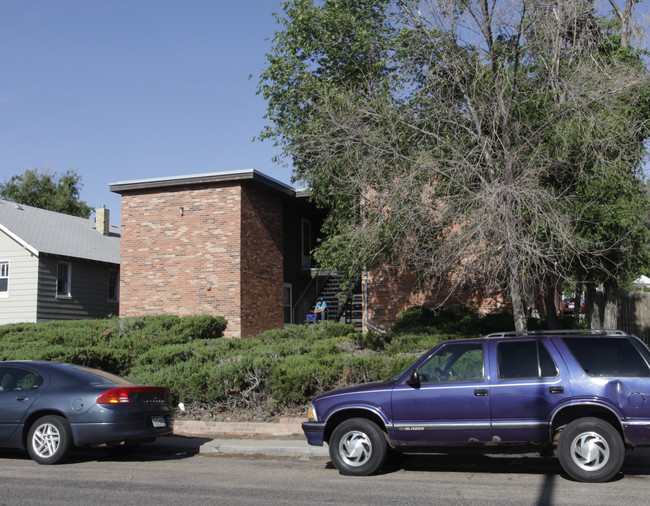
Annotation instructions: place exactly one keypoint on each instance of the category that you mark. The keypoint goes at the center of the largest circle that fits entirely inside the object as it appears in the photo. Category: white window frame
(115, 272)
(60, 294)
(4, 274)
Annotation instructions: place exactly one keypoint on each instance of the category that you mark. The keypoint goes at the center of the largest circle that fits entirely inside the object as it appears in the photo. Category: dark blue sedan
(50, 408)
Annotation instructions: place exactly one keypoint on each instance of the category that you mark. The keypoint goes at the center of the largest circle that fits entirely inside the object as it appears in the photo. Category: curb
(283, 427)
(283, 438)
(267, 447)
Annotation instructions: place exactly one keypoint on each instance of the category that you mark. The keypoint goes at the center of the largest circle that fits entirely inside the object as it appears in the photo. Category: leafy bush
(281, 368)
(461, 321)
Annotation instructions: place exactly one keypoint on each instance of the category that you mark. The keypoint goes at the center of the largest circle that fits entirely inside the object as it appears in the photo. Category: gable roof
(41, 231)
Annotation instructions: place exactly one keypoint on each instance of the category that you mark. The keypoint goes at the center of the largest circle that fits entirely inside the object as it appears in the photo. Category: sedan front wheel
(49, 440)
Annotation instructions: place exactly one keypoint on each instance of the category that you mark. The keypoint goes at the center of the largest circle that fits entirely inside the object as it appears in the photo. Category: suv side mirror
(414, 379)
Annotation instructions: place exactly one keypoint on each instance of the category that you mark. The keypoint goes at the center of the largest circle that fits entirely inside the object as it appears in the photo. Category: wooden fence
(634, 314)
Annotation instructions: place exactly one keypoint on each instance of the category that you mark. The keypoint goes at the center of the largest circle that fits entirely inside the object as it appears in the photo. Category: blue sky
(131, 89)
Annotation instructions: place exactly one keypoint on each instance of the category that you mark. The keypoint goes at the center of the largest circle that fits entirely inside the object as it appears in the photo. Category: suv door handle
(480, 392)
(556, 390)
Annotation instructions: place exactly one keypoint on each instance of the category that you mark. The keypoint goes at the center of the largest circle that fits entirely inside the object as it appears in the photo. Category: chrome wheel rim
(590, 451)
(46, 440)
(355, 448)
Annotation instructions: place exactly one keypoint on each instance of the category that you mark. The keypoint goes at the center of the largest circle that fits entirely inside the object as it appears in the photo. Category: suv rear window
(608, 357)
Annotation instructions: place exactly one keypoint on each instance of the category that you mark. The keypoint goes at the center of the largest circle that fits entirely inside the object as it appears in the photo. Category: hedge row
(280, 369)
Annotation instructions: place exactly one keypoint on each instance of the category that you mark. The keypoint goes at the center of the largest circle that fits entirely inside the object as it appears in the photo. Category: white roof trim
(28, 247)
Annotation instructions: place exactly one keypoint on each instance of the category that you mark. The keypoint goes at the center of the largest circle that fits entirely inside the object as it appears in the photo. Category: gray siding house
(56, 267)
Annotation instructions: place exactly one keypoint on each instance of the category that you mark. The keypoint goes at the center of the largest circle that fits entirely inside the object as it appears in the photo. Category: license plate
(159, 421)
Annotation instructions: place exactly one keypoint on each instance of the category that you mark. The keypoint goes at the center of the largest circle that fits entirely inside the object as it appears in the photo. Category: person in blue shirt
(321, 309)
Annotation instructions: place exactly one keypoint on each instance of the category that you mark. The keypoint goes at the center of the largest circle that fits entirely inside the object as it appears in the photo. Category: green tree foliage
(46, 191)
(464, 140)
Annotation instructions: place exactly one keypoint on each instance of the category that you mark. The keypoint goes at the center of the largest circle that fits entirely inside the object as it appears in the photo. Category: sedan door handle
(480, 393)
(556, 390)
(22, 399)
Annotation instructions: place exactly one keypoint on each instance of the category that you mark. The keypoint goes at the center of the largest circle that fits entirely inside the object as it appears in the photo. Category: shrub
(286, 366)
(201, 327)
(457, 320)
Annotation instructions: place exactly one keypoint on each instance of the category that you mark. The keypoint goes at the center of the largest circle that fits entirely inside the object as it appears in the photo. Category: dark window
(64, 271)
(13, 379)
(286, 302)
(4, 278)
(306, 243)
(525, 360)
(454, 362)
(113, 286)
(608, 356)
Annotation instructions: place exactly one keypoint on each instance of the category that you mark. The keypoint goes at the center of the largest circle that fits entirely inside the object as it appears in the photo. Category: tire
(49, 440)
(591, 450)
(358, 447)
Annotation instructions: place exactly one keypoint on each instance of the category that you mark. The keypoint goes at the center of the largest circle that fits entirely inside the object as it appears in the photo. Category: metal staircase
(344, 307)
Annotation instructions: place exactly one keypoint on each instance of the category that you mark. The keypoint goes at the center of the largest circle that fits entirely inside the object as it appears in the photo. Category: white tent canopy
(642, 281)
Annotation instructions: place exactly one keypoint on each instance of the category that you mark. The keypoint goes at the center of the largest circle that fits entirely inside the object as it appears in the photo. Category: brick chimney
(102, 222)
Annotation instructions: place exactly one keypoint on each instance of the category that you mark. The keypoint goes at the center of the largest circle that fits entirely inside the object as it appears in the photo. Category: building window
(4, 279)
(287, 302)
(63, 279)
(306, 243)
(113, 286)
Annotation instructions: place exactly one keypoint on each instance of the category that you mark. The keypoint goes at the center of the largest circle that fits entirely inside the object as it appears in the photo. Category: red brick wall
(390, 292)
(261, 262)
(222, 256)
(182, 264)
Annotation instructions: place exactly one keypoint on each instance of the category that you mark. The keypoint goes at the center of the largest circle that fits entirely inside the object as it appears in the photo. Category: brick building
(388, 291)
(238, 245)
(232, 244)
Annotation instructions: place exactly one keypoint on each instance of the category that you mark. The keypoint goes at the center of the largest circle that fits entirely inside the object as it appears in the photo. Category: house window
(306, 243)
(4, 279)
(287, 302)
(113, 286)
(63, 279)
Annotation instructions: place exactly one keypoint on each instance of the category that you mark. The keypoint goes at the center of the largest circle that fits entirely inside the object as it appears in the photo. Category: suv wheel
(49, 440)
(358, 447)
(590, 450)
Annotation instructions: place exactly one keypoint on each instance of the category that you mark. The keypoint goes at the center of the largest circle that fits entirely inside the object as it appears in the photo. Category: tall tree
(46, 191)
(442, 134)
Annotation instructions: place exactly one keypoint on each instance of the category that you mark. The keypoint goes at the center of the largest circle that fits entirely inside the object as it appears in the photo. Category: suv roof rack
(520, 333)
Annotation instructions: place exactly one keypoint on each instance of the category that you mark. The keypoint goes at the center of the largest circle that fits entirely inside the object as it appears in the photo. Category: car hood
(363, 387)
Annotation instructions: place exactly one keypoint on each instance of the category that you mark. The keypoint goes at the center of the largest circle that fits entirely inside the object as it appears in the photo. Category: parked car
(584, 396)
(568, 306)
(52, 407)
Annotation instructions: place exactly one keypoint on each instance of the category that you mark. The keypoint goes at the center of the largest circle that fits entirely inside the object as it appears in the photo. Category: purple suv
(585, 395)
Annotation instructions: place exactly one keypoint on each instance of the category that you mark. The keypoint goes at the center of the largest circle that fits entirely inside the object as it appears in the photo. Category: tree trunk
(593, 306)
(610, 317)
(549, 305)
(578, 301)
(518, 309)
